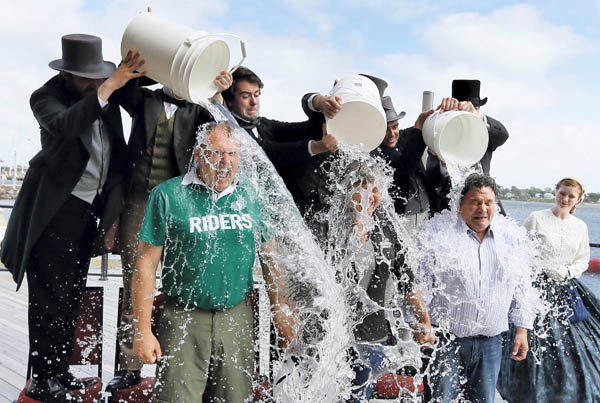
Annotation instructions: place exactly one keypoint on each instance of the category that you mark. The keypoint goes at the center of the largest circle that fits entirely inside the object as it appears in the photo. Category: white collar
(190, 178)
(464, 228)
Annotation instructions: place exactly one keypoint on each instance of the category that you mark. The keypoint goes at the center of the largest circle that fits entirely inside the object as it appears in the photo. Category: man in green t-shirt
(207, 229)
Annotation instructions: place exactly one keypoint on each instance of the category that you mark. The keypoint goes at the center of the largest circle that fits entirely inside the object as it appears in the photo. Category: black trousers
(56, 279)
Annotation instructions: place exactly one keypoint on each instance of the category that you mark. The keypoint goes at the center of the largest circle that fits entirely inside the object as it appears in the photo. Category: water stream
(326, 271)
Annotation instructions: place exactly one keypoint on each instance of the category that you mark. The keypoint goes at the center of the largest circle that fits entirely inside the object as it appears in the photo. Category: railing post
(104, 267)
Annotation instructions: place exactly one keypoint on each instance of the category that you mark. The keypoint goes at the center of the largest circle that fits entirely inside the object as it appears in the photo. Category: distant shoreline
(548, 201)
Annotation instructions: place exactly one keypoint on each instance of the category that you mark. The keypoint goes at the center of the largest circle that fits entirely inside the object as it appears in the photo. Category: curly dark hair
(478, 181)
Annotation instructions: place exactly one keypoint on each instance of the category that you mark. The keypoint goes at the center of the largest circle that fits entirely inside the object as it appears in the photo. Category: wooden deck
(14, 344)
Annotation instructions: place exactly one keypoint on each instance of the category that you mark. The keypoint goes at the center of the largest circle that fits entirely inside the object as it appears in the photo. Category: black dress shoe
(51, 391)
(72, 383)
(123, 379)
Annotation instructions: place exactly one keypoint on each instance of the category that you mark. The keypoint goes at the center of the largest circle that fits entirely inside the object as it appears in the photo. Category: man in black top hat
(465, 97)
(403, 150)
(71, 196)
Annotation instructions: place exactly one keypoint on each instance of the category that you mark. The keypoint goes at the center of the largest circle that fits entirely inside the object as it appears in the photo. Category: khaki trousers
(205, 350)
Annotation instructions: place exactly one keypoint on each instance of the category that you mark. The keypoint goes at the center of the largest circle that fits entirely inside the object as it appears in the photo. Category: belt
(447, 336)
(184, 305)
(479, 336)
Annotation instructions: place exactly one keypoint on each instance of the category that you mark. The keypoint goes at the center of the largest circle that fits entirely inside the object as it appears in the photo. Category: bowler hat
(390, 112)
(468, 90)
(379, 82)
(82, 56)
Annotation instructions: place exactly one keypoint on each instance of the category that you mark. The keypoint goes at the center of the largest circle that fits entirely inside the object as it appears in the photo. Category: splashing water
(315, 366)
(307, 367)
(325, 278)
(439, 250)
(361, 215)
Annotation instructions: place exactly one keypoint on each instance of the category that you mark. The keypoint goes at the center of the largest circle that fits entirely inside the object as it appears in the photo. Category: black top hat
(468, 90)
(82, 56)
(390, 112)
(379, 82)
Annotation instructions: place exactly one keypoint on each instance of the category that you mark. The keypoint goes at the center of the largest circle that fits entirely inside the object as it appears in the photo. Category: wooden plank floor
(14, 343)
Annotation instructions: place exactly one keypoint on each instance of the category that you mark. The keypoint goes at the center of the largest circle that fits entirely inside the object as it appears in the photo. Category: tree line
(538, 194)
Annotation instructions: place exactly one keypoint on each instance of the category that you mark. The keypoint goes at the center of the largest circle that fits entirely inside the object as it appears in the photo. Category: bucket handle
(352, 90)
(199, 35)
(434, 116)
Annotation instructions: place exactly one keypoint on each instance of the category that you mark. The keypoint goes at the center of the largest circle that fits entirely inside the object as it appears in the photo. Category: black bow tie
(249, 124)
(174, 101)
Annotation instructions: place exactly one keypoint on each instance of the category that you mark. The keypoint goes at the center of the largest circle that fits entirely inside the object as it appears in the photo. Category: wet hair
(241, 74)
(572, 183)
(205, 129)
(359, 172)
(478, 181)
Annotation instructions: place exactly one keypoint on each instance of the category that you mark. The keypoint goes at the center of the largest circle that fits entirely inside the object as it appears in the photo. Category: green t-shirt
(209, 246)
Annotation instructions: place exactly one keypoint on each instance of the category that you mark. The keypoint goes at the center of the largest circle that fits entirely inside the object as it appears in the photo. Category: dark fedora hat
(390, 112)
(468, 90)
(82, 56)
(379, 82)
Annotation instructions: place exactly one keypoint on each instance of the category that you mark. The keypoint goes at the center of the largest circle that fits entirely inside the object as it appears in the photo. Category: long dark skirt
(564, 360)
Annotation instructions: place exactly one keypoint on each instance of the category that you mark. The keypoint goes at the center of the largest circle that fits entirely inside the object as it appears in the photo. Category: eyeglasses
(220, 153)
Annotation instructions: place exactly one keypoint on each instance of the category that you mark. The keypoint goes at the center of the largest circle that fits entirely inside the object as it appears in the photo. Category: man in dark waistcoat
(71, 195)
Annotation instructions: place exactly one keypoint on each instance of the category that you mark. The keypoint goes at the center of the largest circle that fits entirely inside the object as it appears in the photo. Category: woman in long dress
(564, 360)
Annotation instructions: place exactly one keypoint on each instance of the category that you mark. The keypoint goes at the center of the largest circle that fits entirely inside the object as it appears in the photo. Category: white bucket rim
(466, 157)
(341, 126)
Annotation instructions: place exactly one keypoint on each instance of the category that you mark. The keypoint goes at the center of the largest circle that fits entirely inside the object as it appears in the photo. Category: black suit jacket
(286, 145)
(409, 173)
(498, 136)
(65, 125)
(144, 106)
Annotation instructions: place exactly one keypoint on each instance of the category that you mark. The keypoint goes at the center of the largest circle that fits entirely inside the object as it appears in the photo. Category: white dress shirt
(476, 287)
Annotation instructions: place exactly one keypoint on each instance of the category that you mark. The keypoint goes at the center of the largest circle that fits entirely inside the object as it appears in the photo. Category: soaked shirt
(209, 243)
(478, 286)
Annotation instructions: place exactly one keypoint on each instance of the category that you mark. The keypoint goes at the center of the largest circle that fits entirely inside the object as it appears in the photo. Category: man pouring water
(465, 97)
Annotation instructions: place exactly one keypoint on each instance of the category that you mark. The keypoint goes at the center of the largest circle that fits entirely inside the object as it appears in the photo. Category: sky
(538, 63)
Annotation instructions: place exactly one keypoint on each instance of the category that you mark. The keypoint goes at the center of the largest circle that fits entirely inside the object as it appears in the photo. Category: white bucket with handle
(183, 59)
(361, 121)
(456, 136)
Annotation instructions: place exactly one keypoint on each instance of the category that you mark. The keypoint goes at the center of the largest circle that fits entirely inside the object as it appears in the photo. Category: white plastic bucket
(183, 59)
(456, 136)
(361, 121)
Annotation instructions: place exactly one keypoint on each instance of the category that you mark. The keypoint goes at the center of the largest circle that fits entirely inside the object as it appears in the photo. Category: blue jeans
(466, 368)
(371, 357)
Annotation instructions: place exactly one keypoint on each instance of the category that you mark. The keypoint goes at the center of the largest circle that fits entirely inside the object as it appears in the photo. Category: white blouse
(566, 242)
